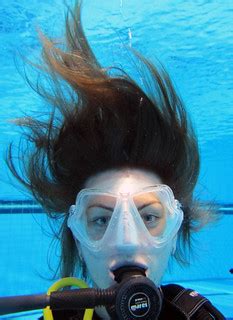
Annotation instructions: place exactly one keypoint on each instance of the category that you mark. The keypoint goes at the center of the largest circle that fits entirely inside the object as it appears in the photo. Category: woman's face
(125, 243)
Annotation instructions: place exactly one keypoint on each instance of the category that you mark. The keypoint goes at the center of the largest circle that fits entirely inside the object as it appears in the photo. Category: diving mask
(101, 219)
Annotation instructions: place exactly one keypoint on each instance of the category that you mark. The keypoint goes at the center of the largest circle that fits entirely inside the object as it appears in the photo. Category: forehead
(123, 180)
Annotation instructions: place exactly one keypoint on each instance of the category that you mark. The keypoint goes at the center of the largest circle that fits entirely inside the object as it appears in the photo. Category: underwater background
(194, 41)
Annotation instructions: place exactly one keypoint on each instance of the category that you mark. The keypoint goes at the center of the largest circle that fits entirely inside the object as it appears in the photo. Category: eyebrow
(147, 204)
(100, 206)
(110, 208)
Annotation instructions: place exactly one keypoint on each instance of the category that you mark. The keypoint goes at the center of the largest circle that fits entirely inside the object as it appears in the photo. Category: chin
(103, 283)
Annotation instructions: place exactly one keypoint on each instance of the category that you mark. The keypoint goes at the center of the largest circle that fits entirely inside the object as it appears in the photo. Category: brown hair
(101, 121)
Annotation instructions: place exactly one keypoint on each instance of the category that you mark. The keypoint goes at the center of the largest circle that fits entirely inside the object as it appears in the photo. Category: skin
(100, 269)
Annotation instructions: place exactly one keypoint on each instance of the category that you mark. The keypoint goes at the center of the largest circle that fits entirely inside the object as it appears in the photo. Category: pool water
(194, 40)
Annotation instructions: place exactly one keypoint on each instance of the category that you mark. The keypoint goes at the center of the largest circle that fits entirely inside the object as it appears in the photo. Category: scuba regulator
(137, 297)
(134, 296)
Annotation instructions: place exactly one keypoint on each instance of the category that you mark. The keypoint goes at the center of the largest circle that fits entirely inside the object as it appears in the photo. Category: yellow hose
(64, 282)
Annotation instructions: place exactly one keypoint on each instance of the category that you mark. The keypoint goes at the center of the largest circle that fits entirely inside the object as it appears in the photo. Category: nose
(127, 233)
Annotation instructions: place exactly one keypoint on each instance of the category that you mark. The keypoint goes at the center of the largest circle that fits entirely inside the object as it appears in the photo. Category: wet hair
(102, 119)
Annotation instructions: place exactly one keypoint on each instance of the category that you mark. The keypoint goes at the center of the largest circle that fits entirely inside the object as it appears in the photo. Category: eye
(150, 219)
(101, 221)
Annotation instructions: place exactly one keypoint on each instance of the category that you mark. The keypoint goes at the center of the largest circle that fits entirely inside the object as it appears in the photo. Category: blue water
(194, 40)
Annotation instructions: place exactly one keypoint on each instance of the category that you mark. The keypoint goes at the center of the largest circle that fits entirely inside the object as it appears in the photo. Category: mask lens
(152, 212)
(97, 212)
(124, 217)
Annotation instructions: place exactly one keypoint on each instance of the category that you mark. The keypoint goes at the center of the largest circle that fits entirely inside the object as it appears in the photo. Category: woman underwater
(121, 163)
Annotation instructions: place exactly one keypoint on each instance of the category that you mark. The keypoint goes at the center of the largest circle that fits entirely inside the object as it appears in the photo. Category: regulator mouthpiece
(137, 297)
(128, 271)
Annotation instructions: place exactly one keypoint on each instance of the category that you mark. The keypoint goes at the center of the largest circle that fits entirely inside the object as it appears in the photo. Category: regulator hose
(133, 297)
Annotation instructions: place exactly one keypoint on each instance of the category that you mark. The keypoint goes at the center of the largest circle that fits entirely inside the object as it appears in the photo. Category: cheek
(158, 264)
(97, 268)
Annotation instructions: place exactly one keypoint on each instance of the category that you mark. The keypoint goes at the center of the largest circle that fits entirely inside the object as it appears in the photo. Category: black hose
(81, 298)
(134, 297)
(58, 300)
(23, 303)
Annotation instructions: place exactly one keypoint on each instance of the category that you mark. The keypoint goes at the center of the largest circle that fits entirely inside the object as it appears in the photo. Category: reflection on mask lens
(151, 211)
(98, 212)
